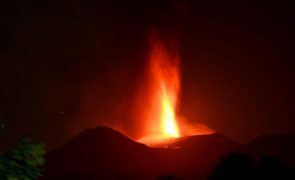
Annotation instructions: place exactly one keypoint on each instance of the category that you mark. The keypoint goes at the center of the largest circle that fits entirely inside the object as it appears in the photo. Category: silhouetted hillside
(242, 167)
(96, 151)
(279, 146)
(105, 153)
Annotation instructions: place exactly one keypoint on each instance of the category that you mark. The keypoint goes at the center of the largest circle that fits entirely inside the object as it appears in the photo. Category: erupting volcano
(165, 77)
(163, 86)
(158, 100)
(162, 89)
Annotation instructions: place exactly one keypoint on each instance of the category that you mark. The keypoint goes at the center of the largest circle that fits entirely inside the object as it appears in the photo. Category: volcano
(103, 153)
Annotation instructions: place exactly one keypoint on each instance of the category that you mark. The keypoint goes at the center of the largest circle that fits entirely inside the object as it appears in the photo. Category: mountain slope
(105, 153)
(281, 146)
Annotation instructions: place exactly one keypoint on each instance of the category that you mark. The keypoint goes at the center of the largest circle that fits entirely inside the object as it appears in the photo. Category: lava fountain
(165, 73)
(162, 88)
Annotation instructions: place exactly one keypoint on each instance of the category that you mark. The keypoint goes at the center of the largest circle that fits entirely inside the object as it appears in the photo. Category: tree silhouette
(273, 168)
(22, 162)
(236, 166)
(240, 166)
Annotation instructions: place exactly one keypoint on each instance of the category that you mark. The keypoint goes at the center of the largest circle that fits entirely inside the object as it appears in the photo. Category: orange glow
(168, 121)
(164, 70)
(163, 85)
(158, 96)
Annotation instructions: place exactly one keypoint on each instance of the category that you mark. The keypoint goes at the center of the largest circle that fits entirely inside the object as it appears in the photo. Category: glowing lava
(157, 101)
(163, 86)
(164, 69)
(168, 121)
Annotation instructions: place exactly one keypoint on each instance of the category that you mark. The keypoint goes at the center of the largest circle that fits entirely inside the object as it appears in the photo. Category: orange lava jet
(159, 93)
(163, 86)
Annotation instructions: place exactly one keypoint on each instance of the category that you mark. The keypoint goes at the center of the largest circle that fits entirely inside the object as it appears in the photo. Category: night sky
(69, 65)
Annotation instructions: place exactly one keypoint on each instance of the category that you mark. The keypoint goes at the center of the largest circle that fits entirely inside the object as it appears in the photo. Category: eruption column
(162, 87)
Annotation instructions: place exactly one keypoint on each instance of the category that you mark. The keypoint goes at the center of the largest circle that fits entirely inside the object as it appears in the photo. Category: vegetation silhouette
(274, 168)
(235, 166)
(24, 161)
(241, 166)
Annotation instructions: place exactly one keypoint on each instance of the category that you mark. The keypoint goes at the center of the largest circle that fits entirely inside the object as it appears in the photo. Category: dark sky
(69, 65)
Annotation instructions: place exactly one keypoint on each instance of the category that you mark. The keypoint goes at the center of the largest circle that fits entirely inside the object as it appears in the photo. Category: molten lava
(165, 73)
(158, 96)
(163, 86)
(168, 122)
